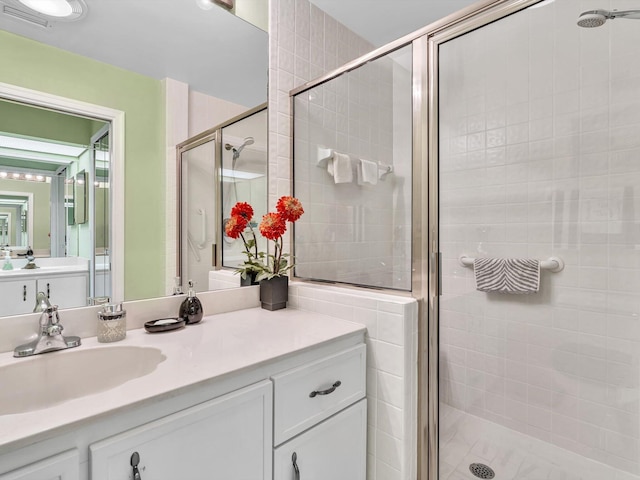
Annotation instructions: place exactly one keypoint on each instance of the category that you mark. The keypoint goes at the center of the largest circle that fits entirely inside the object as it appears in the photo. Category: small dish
(164, 325)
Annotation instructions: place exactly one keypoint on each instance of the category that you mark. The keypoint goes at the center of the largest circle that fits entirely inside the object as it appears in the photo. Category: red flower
(290, 208)
(272, 226)
(235, 226)
(243, 209)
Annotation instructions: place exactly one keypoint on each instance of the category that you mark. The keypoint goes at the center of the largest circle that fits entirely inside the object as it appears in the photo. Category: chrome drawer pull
(327, 391)
(296, 470)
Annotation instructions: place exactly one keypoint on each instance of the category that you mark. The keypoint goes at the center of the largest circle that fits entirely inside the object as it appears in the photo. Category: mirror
(16, 219)
(218, 168)
(80, 198)
(210, 65)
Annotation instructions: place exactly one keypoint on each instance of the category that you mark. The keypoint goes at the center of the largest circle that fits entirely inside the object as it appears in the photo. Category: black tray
(164, 325)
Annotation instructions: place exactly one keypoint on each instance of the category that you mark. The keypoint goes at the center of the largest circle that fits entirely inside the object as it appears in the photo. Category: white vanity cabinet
(227, 438)
(235, 398)
(17, 296)
(320, 419)
(66, 291)
(335, 449)
(64, 466)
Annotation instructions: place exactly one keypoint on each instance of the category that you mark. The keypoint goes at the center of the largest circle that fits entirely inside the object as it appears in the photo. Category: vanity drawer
(307, 395)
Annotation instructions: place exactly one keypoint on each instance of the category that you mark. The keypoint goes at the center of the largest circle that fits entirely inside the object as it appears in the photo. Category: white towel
(339, 167)
(507, 275)
(367, 172)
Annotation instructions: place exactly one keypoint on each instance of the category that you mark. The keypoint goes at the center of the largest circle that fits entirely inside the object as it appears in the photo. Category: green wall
(33, 65)
(42, 123)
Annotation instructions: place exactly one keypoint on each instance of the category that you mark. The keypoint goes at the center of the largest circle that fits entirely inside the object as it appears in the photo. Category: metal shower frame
(425, 203)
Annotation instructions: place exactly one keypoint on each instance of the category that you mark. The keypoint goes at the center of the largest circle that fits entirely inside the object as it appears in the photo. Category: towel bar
(553, 264)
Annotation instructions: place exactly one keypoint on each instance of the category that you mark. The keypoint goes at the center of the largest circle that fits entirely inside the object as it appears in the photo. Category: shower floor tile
(466, 439)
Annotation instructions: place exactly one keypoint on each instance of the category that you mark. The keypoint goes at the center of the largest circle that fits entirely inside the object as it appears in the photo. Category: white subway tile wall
(392, 337)
(539, 157)
(358, 234)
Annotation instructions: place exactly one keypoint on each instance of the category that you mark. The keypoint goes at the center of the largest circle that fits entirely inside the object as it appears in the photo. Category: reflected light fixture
(209, 4)
(66, 10)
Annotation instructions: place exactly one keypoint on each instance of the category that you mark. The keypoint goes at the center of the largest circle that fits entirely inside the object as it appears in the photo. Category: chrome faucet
(50, 337)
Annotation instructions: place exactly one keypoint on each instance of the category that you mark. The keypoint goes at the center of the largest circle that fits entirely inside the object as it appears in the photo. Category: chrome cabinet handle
(296, 470)
(135, 460)
(327, 391)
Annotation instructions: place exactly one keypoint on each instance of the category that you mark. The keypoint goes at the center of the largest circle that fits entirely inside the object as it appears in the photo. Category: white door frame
(116, 118)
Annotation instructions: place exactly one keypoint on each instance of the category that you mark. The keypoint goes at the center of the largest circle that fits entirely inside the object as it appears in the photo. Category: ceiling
(382, 21)
(212, 50)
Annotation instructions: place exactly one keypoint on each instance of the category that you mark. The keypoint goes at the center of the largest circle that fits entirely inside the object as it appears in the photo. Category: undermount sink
(50, 379)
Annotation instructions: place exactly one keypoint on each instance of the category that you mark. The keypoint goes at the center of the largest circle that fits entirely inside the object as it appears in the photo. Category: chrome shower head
(597, 18)
(592, 18)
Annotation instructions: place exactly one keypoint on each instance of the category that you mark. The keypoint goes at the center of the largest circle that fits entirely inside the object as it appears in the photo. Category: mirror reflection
(167, 85)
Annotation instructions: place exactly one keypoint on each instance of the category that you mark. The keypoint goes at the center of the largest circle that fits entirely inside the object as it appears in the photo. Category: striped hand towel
(507, 275)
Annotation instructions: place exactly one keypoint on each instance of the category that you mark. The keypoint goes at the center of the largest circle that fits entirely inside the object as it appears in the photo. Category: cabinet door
(65, 466)
(335, 449)
(228, 438)
(17, 296)
(67, 291)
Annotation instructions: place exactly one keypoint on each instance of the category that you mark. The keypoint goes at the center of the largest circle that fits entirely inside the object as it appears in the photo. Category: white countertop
(218, 346)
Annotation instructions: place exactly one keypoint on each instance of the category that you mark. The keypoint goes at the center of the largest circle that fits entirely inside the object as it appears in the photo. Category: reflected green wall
(41, 208)
(30, 64)
(42, 123)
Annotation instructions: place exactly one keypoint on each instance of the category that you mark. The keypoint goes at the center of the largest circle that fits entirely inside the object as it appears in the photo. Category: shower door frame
(426, 114)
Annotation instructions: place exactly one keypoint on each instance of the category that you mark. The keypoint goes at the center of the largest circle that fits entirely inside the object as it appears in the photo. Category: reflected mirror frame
(215, 134)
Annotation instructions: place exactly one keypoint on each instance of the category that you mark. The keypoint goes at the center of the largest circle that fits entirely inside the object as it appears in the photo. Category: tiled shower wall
(540, 156)
(304, 44)
(391, 370)
(354, 233)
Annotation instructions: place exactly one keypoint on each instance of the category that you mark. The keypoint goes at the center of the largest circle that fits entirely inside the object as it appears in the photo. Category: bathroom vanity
(64, 280)
(248, 394)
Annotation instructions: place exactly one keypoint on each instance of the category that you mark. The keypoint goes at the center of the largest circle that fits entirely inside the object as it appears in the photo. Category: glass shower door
(539, 136)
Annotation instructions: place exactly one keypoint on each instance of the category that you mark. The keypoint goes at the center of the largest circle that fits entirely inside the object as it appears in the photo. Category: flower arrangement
(264, 265)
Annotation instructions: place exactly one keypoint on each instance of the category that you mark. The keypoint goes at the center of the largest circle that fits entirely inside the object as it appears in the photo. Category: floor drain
(481, 470)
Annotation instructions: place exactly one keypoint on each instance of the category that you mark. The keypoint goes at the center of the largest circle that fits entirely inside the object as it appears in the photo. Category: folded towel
(367, 172)
(340, 167)
(507, 275)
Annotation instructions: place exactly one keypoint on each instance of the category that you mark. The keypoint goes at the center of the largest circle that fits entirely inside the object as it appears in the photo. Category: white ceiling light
(56, 9)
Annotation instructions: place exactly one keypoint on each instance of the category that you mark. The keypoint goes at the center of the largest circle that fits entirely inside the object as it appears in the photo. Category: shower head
(236, 151)
(247, 141)
(597, 18)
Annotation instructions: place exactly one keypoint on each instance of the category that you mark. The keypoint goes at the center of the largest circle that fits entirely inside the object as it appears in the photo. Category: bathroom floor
(466, 439)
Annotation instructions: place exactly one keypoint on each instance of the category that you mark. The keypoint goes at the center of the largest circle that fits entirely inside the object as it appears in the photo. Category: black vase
(249, 280)
(274, 293)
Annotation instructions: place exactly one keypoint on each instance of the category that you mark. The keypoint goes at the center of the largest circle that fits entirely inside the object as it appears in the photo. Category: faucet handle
(55, 329)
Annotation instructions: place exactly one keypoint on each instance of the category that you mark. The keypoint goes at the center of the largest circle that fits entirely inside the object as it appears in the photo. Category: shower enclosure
(217, 168)
(536, 156)
(525, 144)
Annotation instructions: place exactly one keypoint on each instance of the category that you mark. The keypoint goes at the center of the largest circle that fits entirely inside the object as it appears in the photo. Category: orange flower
(289, 208)
(235, 226)
(272, 226)
(243, 209)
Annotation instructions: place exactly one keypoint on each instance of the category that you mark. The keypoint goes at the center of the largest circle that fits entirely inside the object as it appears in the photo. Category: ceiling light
(208, 4)
(56, 9)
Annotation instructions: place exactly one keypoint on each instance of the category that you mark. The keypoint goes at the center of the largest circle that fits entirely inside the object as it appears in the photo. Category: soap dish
(164, 325)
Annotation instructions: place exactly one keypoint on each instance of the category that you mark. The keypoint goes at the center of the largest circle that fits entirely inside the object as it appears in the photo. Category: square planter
(274, 293)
